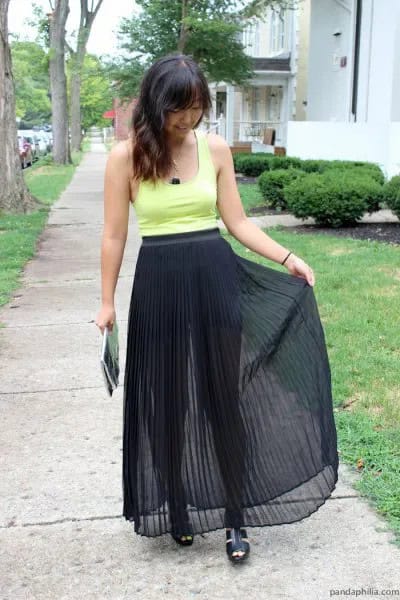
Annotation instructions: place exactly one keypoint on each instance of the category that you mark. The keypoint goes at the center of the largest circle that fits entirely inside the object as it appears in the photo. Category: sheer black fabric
(228, 417)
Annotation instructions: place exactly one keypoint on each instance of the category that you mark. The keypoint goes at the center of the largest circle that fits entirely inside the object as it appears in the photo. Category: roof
(274, 63)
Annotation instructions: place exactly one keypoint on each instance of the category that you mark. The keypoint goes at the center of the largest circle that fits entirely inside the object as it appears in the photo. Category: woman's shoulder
(120, 156)
(216, 141)
(121, 151)
(219, 149)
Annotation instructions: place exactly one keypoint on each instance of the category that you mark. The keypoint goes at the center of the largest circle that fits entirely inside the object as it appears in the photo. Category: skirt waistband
(186, 236)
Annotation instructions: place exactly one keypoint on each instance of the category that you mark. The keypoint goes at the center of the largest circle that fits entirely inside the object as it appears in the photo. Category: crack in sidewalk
(68, 389)
(13, 524)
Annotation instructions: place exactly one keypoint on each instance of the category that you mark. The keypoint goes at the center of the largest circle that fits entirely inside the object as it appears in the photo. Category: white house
(353, 96)
(242, 114)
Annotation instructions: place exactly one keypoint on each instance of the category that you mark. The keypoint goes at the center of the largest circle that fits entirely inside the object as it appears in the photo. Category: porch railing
(248, 131)
(253, 131)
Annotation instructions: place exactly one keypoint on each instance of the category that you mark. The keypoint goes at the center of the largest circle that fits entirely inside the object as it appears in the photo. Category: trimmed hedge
(310, 165)
(272, 183)
(395, 205)
(367, 169)
(391, 194)
(334, 198)
(253, 165)
(391, 191)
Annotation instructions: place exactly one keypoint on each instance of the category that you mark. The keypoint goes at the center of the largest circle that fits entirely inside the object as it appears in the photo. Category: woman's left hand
(296, 266)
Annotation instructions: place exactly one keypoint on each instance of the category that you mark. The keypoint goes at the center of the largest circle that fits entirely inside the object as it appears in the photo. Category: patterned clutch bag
(109, 358)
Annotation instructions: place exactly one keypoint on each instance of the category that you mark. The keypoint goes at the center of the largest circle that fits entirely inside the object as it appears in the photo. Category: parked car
(37, 142)
(40, 143)
(25, 152)
(48, 137)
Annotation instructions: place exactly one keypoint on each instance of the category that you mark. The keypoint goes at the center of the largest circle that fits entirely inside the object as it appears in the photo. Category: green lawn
(250, 195)
(19, 233)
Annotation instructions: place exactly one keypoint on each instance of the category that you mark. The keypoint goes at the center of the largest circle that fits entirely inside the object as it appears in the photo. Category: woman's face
(179, 122)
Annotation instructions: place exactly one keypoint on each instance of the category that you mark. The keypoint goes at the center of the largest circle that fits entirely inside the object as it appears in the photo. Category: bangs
(184, 91)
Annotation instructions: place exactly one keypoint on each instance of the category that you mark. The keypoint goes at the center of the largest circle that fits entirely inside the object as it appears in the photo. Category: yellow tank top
(176, 208)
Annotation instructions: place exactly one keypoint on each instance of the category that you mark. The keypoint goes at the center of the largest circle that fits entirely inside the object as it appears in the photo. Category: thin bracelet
(285, 259)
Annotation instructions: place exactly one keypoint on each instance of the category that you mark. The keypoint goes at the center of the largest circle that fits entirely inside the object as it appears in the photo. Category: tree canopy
(96, 92)
(31, 77)
(209, 30)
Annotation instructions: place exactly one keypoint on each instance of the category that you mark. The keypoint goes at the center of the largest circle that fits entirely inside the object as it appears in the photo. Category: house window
(278, 31)
(247, 39)
(257, 40)
(251, 39)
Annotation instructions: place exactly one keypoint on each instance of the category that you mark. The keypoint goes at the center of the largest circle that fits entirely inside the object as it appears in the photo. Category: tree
(31, 75)
(209, 30)
(58, 83)
(77, 57)
(14, 195)
(96, 94)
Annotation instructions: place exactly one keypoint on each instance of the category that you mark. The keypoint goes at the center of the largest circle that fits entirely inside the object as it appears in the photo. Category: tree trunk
(58, 83)
(183, 35)
(85, 26)
(76, 127)
(14, 195)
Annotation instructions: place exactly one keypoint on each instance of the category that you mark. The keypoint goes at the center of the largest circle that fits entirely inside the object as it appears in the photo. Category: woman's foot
(185, 537)
(237, 544)
(183, 540)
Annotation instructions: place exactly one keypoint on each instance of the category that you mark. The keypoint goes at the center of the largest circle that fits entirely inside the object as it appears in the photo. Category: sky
(102, 38)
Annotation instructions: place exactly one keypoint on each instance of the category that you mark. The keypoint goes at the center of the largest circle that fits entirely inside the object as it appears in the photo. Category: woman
(228, 417)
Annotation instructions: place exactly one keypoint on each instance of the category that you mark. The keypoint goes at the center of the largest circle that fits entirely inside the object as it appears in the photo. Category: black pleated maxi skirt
(227, 410)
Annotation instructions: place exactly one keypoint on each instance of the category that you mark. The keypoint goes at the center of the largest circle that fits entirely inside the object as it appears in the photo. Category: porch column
(230, 106)
(284, 114)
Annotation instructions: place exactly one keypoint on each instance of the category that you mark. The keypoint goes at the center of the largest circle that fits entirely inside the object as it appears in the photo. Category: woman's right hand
(105, 317)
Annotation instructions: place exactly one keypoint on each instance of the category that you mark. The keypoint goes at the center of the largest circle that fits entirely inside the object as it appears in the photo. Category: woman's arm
(243, 229)
(116, 216)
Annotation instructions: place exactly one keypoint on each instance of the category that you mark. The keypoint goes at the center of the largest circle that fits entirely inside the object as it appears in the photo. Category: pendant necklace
(175, 180)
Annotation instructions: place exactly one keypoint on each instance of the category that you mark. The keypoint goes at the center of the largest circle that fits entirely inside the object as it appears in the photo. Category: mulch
(379, 232)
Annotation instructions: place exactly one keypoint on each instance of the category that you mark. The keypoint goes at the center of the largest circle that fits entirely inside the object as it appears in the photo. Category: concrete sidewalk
(61, 531)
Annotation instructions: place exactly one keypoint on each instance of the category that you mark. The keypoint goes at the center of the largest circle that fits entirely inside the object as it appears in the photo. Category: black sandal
(183, 542)
(236, 540)
(187, 533)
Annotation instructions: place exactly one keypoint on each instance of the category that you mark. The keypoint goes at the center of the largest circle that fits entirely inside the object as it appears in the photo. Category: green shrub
(371, 169)
(241, 158)
(334, 198)
(311, 165)
(237, 158)
(252, 165)
(320, 166)
(395, 205)
(285, 162)
(391, 190)
(271, 184)
(366, 179)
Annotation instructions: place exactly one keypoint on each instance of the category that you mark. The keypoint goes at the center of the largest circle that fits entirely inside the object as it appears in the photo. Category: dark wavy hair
(174, 81)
